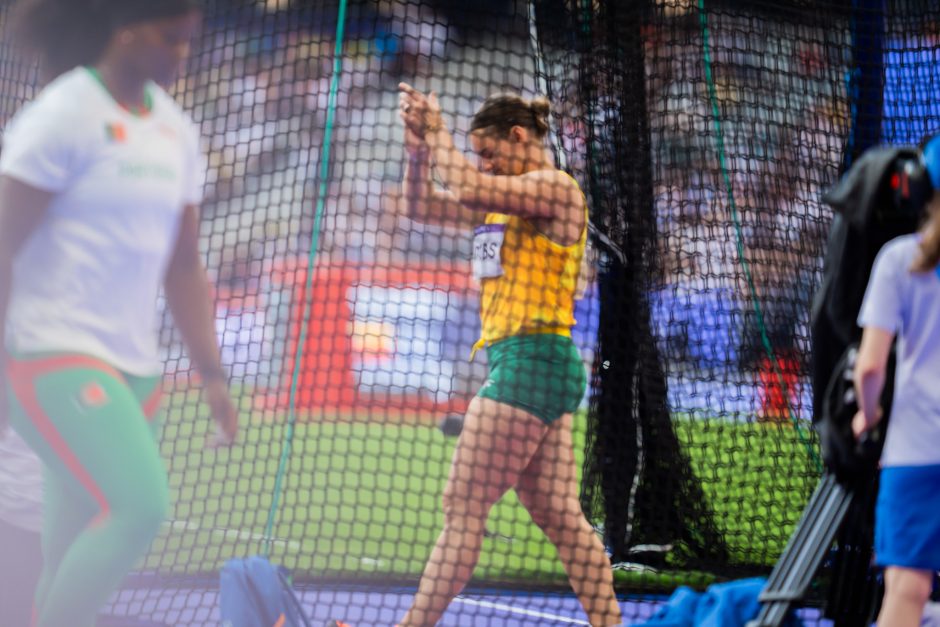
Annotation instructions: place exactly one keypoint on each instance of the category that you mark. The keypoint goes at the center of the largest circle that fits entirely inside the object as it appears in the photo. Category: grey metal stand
(805, 552)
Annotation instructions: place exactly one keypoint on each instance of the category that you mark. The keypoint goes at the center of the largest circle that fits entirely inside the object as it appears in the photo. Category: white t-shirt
(87, 280)
(20, 484)
(908, 304)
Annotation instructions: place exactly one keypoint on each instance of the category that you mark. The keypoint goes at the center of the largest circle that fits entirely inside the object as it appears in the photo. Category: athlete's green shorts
(540, 373)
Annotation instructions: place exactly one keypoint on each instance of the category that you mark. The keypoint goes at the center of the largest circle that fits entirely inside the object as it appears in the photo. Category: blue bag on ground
(730, 604)
(255, 593)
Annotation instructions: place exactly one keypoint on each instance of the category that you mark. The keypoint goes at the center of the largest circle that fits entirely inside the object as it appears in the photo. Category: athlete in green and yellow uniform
(527, 256)
(527, 311)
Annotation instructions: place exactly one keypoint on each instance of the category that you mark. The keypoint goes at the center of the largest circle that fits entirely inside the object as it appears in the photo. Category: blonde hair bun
(541, 108)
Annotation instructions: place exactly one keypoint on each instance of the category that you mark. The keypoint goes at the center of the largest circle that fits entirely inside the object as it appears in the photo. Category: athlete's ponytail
(928, 255)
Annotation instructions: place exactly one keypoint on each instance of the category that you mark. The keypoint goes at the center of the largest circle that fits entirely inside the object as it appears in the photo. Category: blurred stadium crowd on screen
(730, 224)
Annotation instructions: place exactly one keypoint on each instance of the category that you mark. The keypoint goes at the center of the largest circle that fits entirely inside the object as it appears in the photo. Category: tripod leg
(808, 546)
(854, 591)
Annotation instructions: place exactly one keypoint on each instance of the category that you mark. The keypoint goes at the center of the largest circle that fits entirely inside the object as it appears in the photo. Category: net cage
(702, 134)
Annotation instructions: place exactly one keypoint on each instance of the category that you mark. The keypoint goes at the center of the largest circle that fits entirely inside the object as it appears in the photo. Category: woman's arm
(187, 293)
(870, 368)
(541, 194)
(538, 195)
(22, 209)
(425, 203)
(422, 200)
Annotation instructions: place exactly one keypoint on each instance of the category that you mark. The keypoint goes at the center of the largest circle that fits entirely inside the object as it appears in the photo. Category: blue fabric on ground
(729, 604)
(679, 610)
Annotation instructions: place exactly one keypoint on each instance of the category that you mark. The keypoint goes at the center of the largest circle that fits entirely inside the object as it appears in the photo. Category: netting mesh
(702, 135)
(746, 117)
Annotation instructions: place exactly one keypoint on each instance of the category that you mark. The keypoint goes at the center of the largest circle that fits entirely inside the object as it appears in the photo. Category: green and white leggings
(106, 491)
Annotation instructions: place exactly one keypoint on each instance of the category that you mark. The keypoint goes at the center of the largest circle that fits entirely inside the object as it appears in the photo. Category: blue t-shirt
(908, 304)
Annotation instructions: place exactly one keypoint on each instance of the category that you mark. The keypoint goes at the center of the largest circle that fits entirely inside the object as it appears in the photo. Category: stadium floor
(361, 607)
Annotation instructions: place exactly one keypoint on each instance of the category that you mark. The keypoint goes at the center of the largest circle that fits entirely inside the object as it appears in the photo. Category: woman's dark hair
(501, 112)
(928, 254)
(68, 33)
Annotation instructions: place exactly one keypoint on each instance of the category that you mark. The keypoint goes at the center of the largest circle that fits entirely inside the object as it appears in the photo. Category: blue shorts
(907, 517)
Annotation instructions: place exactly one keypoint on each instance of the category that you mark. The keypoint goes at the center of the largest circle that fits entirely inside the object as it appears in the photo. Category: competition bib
(487, 249)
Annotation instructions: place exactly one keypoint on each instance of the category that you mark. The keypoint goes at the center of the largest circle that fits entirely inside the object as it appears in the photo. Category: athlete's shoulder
(574, 182)
(552, 175)
(74, 83)
(58, 102)
(902, 247)
(56, 118)
(556, 184)
(171, 112)
(895, 258)
(166, 105)
(570, 177)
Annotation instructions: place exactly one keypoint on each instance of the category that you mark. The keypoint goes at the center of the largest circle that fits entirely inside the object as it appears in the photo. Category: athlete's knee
(556, 517)
(464, 511)
(156, 511)
(147, 520)
(909, 585)
(143, 515)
